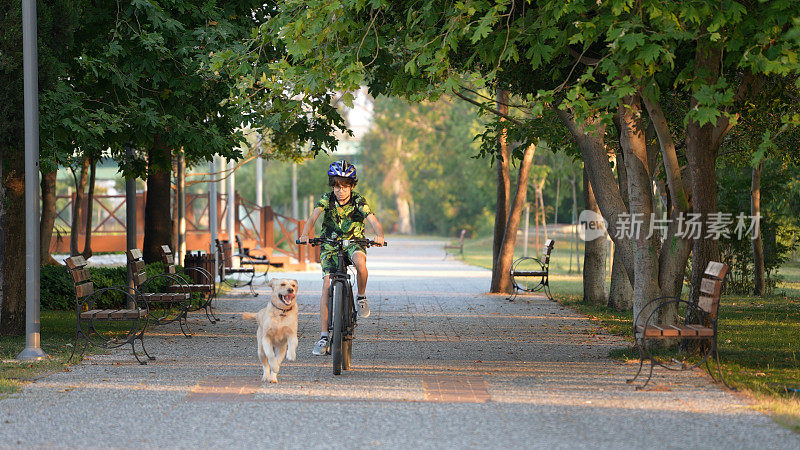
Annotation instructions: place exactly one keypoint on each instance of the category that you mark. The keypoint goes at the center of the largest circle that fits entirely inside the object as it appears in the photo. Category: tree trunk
(180, 249)
(540, 195)
(87, 243)
(574, 241)
(403, 216)
(594, 259)
(157, 221)
(400, 189)
(555, 208)
(175, 212)
(536, 219)
(757, 243)
(77, 208)
(12, 314)
(704, 201)
(702, 143)
(620, 295)
(640, 197)
(48, 185)
(675, 250)
(598, 173)
(2, 231)
(506, 257)
(503, 197)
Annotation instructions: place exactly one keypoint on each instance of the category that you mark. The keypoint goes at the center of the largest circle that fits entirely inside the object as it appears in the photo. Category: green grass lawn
(57, 337)
(759, 337)
(57, 334)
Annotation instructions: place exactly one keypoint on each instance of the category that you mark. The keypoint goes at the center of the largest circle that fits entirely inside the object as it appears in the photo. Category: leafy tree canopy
(587, 55)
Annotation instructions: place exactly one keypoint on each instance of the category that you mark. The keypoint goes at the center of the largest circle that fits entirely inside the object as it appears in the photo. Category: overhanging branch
(485, 108)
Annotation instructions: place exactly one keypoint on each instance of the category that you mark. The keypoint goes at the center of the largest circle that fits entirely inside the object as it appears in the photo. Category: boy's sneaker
(363, 307)
(321, 347)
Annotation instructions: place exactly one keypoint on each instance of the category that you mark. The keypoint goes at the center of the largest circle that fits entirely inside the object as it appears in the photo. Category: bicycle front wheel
(347, 350)
(338, 326)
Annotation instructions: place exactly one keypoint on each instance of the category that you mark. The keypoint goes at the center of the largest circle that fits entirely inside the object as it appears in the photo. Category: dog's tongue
(288, 298)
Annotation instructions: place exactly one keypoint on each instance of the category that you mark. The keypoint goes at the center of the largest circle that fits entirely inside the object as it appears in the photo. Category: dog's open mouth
(287, 298)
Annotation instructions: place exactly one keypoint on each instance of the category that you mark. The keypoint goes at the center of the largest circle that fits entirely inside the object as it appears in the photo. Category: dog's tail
(249, 316)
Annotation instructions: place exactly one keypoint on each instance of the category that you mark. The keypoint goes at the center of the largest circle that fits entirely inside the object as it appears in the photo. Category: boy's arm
(312, 220)
(373, 221)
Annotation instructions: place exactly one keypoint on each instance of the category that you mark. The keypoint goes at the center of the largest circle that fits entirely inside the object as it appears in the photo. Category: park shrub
(58, 293)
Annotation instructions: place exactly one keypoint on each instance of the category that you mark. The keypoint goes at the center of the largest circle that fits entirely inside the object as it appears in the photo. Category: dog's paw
(273, 379)
(291, 356)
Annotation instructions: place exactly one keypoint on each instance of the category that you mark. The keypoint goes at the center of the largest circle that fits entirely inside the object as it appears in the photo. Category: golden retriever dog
(277, 327)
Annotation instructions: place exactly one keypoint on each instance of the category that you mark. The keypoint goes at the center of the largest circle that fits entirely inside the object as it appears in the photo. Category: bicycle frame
(342, 276)
(340, 329)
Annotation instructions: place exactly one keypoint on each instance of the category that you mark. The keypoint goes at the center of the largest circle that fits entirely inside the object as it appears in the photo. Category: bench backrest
(137, 266)
(711, 287)
(224, 250)
(80, 276)
(239, 245)
(462, 236)
(168, 258)
(548, 248)
(223, 262)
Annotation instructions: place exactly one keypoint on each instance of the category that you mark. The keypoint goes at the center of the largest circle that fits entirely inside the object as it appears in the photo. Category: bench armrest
(248, 254)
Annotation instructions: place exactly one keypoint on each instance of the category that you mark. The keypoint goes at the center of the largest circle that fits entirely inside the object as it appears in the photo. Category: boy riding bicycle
(345, 212)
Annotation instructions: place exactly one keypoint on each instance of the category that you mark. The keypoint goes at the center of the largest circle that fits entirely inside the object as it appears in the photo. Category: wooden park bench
(175, 303)
(106, 328)
(225, 256)
(698, 334)
(256, 254)
(456, 248)
(534, 270)
(258, 257)
(203, 283)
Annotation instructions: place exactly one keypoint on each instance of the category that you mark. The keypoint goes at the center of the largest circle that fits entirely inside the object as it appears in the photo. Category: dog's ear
(272, 282)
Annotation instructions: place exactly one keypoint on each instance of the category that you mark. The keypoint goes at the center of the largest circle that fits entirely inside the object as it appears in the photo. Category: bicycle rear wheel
(338, 326)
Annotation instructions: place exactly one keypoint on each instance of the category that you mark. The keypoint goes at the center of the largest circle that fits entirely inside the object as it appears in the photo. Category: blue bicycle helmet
(343, 169)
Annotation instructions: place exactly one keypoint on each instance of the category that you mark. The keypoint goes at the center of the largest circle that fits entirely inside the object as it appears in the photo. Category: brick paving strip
(224, 389)
(437, 388)
(453, 389)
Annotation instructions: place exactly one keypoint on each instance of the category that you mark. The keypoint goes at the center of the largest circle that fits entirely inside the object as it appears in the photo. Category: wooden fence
(256, 226)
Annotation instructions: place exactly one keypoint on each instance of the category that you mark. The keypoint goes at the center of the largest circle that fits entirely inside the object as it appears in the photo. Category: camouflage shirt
(343, 222)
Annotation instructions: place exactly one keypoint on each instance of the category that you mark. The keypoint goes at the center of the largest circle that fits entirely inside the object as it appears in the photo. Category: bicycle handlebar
(320, 240)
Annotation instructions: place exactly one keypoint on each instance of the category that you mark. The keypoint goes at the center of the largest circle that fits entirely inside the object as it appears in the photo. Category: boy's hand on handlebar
(379, 240)
(303, 239)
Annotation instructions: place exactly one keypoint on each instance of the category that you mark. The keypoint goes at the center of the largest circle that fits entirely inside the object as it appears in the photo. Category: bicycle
(342, 316)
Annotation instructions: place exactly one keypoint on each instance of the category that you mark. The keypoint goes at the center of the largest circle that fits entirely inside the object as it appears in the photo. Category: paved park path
(438, 364)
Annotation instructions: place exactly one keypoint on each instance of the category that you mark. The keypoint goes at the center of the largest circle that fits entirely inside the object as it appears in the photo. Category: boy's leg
(360, 261)
(323, 305)
(321, 347)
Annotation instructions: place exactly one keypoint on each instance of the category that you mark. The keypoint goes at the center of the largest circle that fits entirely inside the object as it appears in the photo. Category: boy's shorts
(329, 258)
